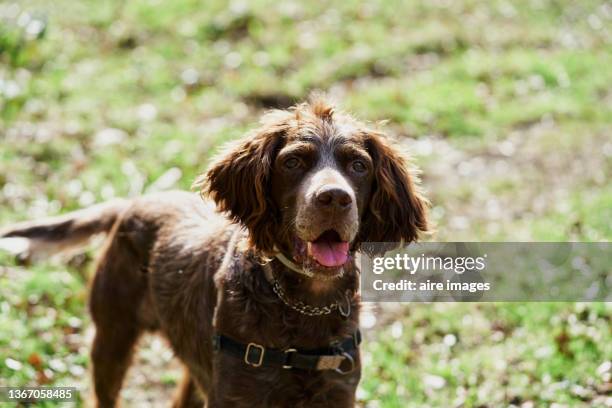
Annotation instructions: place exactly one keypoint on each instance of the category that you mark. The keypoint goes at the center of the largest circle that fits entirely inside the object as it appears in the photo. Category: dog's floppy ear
(397, 210)
(239, 181)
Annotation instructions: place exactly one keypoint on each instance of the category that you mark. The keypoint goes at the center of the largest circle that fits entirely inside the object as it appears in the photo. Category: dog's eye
(359, 166)
(291, 163)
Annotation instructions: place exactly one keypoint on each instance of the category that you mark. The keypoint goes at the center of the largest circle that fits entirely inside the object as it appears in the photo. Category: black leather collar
(339, 356)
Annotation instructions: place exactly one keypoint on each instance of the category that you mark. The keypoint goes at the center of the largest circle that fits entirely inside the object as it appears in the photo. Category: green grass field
(505, 105)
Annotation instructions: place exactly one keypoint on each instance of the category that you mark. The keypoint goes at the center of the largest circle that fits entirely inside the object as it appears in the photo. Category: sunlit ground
(506, 107)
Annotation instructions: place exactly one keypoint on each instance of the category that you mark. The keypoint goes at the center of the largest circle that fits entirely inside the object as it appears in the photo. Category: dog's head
(314, 184)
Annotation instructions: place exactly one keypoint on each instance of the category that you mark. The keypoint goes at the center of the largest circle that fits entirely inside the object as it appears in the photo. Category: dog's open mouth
(328, 249)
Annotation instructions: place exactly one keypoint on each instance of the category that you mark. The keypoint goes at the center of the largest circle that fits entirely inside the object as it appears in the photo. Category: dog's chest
(250, 312)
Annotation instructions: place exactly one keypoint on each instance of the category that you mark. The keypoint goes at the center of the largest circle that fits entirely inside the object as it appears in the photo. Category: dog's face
(321, 181)
(314, 184)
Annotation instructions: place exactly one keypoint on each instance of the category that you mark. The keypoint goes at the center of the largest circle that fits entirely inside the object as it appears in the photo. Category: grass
(505, 106)
(489, 355)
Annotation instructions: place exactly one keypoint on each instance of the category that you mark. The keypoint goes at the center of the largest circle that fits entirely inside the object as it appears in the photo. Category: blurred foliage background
(505, 105)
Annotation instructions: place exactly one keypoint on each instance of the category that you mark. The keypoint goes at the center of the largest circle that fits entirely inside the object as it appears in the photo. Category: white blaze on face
(327, 236)
(327, 177)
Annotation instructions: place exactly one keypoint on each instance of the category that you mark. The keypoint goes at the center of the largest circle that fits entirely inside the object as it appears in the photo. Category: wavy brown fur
(172, 262)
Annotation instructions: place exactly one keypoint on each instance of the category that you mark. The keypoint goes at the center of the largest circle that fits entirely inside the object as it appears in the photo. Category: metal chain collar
(310, 310)
(300, 306)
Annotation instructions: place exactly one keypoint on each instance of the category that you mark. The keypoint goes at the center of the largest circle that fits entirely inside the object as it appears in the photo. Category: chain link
(300, 306)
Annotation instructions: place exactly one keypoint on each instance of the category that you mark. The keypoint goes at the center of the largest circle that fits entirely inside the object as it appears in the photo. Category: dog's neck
(291, 265)
(311, 289)
(298, 286)
(298, 329)
(313, 283)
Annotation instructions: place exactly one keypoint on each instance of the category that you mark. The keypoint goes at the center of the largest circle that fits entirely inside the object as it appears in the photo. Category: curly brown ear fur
(397, 210)
(239, 178)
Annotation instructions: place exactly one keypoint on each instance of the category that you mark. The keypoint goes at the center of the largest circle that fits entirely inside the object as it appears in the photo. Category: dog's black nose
(334, 197)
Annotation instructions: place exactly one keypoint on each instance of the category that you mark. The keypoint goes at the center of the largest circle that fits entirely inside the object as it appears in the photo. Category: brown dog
(263, 311)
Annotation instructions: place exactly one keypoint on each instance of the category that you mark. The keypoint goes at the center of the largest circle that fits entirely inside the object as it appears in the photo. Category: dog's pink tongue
(329, 253)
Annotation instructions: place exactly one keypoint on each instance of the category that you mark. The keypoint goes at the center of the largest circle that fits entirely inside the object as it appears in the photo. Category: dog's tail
(36, 239)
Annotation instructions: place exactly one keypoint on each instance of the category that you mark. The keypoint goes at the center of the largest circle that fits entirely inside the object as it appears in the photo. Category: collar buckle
(346, 356)
(259, 350)
(288, 356)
